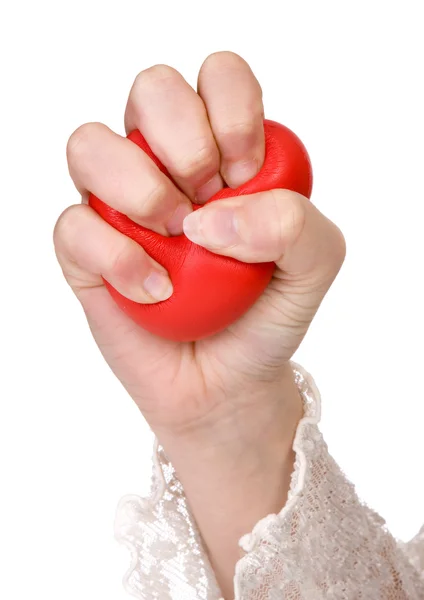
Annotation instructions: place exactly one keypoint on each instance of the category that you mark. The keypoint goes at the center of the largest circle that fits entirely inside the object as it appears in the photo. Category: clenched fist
(226, 405)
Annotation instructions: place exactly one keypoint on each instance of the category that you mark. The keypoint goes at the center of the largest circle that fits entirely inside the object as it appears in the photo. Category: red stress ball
(210, 291)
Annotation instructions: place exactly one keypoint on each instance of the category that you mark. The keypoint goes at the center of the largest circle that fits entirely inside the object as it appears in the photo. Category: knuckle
(153, 200)
(224, 57)
(66, 224)
(154, 76)
(339, 246)
(120, 260)
(230, 65)
(231, 133)
(290, 215)
(125, 265)
(80, 141)
(67, 241)
(202, 160)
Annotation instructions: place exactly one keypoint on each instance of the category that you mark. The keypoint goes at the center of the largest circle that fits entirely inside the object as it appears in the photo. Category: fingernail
(236, 174)
(214, 228)
(175, 223)
(209, 189)
(158, 286)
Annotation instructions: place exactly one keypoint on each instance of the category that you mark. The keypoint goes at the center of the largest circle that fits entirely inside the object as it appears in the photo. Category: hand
(216, 395)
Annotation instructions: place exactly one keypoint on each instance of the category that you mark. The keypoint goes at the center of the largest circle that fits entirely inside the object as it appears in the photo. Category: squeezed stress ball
(210, 291)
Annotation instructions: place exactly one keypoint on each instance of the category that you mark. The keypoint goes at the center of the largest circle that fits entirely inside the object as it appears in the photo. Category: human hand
(216, 394)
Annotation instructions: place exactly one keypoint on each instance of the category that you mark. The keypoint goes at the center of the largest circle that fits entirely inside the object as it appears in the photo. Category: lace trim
(324, 544)
(312, 415)
(134, 514)
(167, 557)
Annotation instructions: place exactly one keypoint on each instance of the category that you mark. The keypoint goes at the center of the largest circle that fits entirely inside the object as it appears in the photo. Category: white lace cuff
(324, 544)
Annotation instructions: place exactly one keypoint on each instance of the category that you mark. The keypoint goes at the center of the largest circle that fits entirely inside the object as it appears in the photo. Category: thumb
(279, 226)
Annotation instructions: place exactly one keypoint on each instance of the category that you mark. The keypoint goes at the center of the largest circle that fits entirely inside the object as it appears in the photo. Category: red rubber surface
(210, 291)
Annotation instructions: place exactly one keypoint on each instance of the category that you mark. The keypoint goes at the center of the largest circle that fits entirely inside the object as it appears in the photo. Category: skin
(225, 408)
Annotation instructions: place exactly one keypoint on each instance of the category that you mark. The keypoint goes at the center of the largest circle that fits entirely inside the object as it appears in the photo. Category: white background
(347, 77)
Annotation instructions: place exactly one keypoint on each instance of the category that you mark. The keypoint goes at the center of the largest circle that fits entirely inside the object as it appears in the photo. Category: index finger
(118, 172)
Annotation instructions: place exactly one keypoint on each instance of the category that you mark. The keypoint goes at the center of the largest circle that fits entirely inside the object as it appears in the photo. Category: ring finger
(173, 119)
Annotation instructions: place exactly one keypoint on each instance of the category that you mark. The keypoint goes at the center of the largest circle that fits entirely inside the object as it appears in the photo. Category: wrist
(257, 427)
(237, 469)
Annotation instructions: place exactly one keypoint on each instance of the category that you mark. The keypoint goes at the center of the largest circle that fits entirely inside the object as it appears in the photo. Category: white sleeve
(324, 544)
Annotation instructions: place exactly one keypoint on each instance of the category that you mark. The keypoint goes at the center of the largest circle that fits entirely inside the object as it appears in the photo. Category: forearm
(238, 472)
(323, 539)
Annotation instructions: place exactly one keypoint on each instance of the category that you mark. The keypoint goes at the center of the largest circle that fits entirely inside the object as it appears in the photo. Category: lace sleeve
(324, 544)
